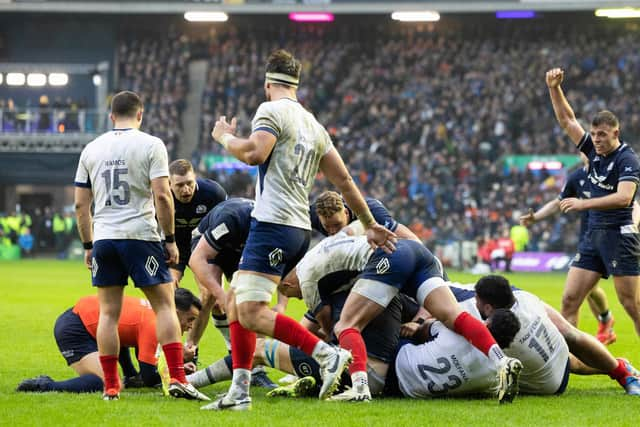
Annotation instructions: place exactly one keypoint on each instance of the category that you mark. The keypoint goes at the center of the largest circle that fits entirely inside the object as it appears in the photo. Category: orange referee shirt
(137, 326)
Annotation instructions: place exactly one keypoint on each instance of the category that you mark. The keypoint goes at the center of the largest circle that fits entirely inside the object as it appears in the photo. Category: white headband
(283, 79)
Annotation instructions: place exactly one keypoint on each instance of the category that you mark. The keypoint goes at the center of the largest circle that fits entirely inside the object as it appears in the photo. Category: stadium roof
(285, 6)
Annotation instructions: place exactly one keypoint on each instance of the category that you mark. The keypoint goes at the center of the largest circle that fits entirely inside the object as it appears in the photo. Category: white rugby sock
(240, 383)
(216, 372)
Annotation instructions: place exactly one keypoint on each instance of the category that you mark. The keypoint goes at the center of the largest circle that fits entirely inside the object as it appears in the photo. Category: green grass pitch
(34, 293)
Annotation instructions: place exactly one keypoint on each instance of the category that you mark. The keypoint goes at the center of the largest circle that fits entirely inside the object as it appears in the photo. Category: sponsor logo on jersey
(219, 231)
(151, 265)
(275, 257)
(193, 222)
(383, 266)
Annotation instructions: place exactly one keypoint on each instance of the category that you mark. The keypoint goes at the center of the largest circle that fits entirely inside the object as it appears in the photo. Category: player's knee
(343, 325)
(249, 315)
(570, 302)
(631, 306)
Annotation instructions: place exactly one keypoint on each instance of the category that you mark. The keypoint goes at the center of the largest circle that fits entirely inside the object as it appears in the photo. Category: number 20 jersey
(118, 166)
(285, 179)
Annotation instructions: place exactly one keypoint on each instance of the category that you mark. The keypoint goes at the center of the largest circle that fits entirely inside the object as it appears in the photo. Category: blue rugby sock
(85, 384)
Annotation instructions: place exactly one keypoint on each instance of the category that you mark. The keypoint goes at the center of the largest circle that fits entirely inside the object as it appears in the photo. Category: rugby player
(75, 333)
(577, 186)
(612, 246)
(124, 174)
(545, 339)
(411, 269)
(290, 146)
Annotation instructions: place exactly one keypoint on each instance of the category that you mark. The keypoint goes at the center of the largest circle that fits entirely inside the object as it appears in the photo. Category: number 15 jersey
(285, 179)
(118, 167)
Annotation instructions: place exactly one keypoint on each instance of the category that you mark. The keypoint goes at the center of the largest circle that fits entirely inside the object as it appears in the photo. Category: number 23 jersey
(285, 179)
(445, 365)
(118, 167)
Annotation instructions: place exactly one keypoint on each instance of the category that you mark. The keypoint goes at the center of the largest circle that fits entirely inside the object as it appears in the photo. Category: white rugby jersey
(446, 365)
(539, 345)
(118, 166)
(334, 254)
(286, 178)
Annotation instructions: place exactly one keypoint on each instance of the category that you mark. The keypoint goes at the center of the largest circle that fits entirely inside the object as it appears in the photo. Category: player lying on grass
(547, 344)
(75, 333)
(411, 269)
(544, 372)
(434, 359)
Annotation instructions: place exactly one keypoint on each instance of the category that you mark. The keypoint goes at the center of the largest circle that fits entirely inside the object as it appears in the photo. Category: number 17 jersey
(118, 167)
(285, 179)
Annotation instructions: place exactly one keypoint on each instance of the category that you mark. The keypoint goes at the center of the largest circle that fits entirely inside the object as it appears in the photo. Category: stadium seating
(421, 116)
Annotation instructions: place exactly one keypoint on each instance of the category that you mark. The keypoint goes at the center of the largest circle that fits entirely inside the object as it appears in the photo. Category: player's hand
(380, 237)
(221, 127)
(571, 204)
(172, 255)
(554, 77)
(189, 351)
(88, 258)
(190, 368)
(528, 219)
(409, 329)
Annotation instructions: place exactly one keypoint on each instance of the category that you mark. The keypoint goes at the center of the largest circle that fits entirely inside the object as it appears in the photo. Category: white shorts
(251, 287)
(427, 287)
(378, 292)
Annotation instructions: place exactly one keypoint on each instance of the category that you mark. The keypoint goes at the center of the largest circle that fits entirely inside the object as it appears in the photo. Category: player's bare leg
(594, 354)
(578, 284)
(629, 296)
(168, 330)
(110, 299)
(252, 293)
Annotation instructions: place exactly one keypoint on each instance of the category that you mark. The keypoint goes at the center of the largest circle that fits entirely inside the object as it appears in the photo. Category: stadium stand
(421, 116)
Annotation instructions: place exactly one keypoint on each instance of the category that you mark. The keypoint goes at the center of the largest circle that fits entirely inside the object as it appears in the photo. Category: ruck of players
(382, 317)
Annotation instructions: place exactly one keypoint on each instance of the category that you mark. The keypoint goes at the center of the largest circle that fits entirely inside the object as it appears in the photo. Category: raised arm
(254, 150)
(563, 111)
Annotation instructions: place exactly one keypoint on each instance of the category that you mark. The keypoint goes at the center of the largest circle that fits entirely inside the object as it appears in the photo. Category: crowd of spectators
(44, 231)
(423, 114)
(43, 115)
(157, 69)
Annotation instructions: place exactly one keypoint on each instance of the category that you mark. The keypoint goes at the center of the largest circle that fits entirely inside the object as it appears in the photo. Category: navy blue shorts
(565, 378)
(273, 248)
(609, 252)
(116, 260)
(73, 339)
(408, 267)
